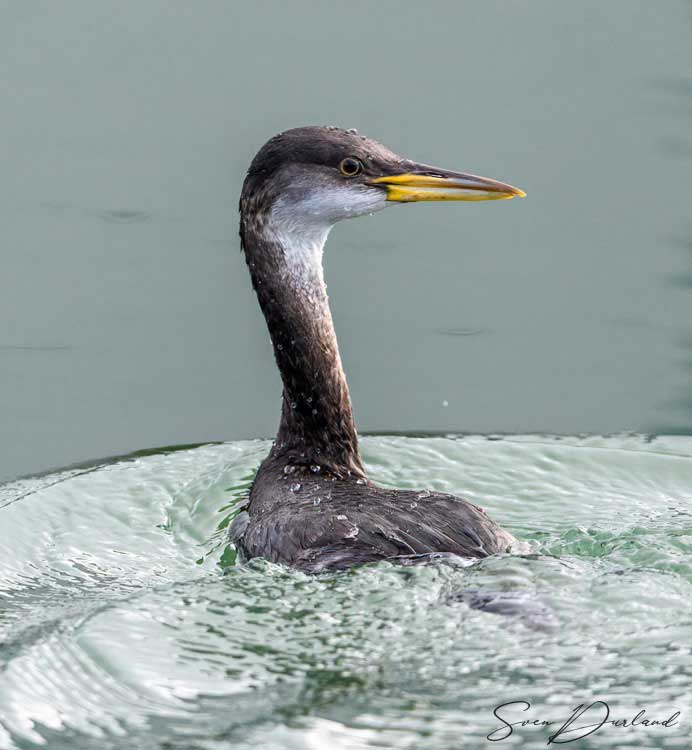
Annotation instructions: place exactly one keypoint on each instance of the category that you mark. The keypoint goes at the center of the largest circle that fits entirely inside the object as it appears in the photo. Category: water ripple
(123, 625)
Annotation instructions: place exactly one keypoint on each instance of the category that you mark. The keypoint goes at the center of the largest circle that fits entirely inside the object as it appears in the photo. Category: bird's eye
(350, 167)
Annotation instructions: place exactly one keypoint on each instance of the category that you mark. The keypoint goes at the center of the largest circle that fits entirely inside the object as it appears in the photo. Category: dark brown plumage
(311, 505)
(327, 523)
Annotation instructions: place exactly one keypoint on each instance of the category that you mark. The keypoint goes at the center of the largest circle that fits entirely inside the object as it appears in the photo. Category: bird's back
(315, 522)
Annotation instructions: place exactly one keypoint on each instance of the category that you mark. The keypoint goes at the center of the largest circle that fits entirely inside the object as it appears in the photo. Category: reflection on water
(125, 216)
(683, 279)
(677, 146)
(123, 625)
(682, 403)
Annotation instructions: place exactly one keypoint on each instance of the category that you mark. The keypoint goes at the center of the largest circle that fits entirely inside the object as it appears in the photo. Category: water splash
(125, 621)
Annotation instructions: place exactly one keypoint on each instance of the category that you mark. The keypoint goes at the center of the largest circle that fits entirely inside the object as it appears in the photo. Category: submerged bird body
(311, 505)
(316, 523)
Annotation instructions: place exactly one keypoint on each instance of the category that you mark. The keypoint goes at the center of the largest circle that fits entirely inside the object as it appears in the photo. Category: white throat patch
(302, 226)
(303, 252)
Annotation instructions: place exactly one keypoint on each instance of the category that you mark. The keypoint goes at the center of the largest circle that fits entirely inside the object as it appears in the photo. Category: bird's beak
(425, 183)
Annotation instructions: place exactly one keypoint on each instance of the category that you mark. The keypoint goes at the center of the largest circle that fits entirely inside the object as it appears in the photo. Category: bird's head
(315, 176)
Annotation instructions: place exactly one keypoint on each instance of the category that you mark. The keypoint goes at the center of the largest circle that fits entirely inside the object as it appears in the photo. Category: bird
(311, 505)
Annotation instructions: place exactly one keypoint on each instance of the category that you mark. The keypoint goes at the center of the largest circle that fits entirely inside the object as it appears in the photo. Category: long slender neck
(317, 427)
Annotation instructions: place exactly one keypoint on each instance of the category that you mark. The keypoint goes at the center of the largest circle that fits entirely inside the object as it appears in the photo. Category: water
(127, 321)
(126, 315)
(126, 624)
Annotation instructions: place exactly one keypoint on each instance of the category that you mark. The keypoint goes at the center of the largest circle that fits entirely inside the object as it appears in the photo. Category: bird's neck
(317, 427)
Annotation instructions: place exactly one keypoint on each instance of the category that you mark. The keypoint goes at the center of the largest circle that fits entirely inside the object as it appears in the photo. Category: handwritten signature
(596, 714)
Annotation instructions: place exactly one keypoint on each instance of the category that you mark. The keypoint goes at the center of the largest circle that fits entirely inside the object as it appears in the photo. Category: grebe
(311, 505)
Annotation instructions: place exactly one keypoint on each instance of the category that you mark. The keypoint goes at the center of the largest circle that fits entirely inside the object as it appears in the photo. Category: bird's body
(311, 505)
(316, 523)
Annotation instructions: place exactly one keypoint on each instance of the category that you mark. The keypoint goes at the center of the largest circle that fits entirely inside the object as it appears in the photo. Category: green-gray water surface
(124, 623)
(127, 321)
(126, 315)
